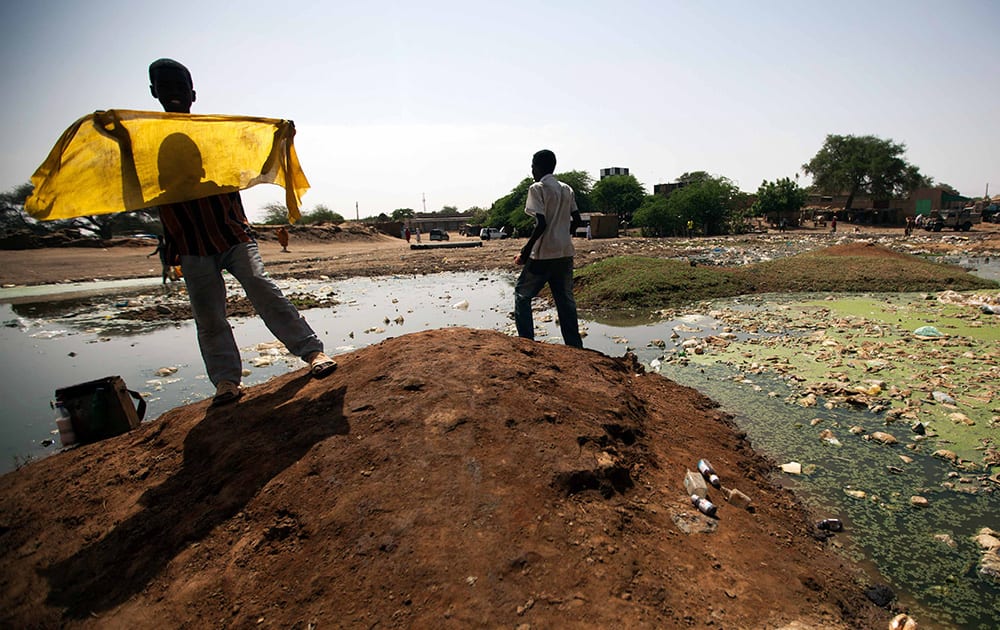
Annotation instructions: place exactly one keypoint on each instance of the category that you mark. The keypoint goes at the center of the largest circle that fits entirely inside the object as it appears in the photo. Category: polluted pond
(892, 432)
(883, 413)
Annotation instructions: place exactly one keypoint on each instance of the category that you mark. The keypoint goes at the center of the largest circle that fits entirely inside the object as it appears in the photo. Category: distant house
(864, 210)
(613, 170)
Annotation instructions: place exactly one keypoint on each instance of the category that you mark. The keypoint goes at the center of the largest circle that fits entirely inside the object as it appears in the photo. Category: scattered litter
(943, 398)
(928, 332)
(792, 468)
(461, 306)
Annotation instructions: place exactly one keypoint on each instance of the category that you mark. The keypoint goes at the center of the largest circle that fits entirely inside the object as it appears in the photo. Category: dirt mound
(451, 478)
(318, 232)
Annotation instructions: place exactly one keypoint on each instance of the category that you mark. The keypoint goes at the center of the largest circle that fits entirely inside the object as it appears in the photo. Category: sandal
(320, 365)
(227, 392)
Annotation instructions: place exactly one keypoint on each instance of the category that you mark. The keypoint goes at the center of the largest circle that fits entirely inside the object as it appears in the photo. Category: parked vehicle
(955, 219)
(438, 235)
(491, 233)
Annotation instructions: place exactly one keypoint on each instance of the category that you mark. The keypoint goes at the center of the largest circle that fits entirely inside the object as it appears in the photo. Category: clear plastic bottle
(708, 472)
(64, 422)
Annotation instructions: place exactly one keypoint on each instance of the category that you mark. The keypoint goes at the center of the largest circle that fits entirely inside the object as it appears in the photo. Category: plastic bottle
(694, 483)
(64, 422)
(708, 472)
(704, 506)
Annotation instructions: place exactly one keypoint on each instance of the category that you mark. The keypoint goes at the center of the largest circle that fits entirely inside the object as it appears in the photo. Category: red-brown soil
(446, 479)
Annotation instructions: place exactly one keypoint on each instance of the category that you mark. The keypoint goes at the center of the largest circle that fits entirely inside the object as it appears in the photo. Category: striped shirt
(206, 226)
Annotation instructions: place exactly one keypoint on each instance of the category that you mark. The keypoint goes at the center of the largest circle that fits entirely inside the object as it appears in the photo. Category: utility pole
(424, 198)
(357, 217)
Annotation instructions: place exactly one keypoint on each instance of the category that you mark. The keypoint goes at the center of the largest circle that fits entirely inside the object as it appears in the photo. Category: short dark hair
(168, 64)
(545, 160)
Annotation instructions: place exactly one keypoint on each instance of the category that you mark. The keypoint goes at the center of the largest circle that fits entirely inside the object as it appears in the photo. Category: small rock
(827, 436)
(951, 456)
(919, 501)
(945, 539)
(856, 494)
(902, 621)
(884, 438)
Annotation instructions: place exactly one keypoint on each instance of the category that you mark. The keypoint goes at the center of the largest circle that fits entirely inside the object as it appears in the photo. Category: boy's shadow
(228, 457)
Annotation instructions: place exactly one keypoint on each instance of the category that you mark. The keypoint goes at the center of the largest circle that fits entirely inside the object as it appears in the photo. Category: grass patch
(819, 271)
(633, 282)
(629, 282)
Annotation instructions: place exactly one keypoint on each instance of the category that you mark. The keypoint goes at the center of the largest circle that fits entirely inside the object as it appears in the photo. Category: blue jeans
(558, 273)
(207, 293)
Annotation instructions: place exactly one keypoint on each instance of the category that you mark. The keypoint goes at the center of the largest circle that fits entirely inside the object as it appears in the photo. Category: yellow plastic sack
(117, 160)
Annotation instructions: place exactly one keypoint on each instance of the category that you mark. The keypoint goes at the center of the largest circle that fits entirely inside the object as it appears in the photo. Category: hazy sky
(394, 101)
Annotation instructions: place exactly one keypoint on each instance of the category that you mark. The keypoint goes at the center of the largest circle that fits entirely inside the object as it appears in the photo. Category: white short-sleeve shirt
(555, 201)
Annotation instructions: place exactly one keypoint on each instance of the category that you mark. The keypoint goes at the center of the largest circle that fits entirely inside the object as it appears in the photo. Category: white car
(491, 233)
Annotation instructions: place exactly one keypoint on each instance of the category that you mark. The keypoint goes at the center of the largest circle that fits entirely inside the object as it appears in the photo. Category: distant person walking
(548, 255)
(406, 233)
(161, 249)
(283, 238)
(418, 233)
(833, 224)
(909, 226)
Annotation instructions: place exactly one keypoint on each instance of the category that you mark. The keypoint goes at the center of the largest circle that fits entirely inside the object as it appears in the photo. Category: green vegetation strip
(633, 282)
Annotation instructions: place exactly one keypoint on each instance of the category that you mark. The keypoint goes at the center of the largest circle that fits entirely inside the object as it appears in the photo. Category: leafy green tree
(863, 165)
(656, 217)
(780, 199)
(275, 214)
(694, 177)
(582, 184)
(618, 194)
(476, 215)
(709, 203)
(321, 214)
(401, 214)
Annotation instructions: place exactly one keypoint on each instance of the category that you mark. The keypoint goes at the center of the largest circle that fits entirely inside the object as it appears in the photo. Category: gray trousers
(207, 293)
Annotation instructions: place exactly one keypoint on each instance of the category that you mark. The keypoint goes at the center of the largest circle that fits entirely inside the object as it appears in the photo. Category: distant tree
(383, 217)
(863, 165)
(618, 194)
(582, 184)
(694, 177)
(400, 214)
(275, 214)
(509, 209)
(475, 215)
(780, 199)
(12, 214)
(709, 203)
(657, 218)
(321, 214)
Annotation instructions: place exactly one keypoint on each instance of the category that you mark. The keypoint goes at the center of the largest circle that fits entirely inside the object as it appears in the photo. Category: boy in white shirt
(548, 255)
